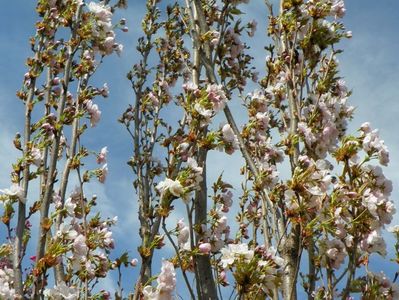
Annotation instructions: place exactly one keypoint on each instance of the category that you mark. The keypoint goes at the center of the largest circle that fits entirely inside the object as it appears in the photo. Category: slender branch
(17, 257)
(59, 268)
(45, 203)
(20, 227)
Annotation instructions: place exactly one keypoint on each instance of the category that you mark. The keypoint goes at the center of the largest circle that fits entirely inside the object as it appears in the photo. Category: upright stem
(45, 203)
(146, 230)
(59, 268)
(291, 244)
(18, 251)
(206, 288)
(17, 257)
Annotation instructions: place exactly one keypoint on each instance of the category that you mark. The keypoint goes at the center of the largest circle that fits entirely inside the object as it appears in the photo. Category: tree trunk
(207, 288)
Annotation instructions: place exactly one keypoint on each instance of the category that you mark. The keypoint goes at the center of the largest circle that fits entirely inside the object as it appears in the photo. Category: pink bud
(134, 262)
(205, 248)
(223, 277)
(56, 81)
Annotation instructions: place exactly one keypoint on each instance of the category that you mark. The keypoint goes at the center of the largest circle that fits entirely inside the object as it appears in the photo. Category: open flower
(15, 191)
(233, 252)
(173, 186)
(62, 291)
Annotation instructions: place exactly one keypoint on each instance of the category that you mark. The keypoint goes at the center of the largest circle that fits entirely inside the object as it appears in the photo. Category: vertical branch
(291, 243)
(45, 203)
(146, 231)
(20, 227)
(17, 257)
(59, 268)
(206, 288)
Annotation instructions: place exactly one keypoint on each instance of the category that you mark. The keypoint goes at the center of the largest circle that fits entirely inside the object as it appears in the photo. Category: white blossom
(15, 191)
(62, 292)
(233, 252)
(173, 186)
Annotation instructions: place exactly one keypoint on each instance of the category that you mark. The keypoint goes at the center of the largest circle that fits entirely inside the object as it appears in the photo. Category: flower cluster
(166, 284)
(254, 270)
(235, 252)
(208, 102)
(62, 291)
(373, 145)
(103, 29)
(218, 234)
(187, 181)
(6, 283)
(379, 286)
(324, 121)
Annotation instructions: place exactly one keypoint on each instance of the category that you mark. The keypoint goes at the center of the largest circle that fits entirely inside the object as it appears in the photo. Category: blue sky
(369, 65)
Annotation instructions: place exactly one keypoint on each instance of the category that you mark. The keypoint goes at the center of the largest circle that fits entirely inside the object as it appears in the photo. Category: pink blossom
(374, 242)
(94, 112)
(263, 119)
(387, 289)
(37, 156)
(227, 201)
(79, 246)
(217, 96)
(223, 277)
(103, 13)
(166, 280)
(118, 49)
(48, 129)
(190, 86)
(307, 133)
(193, 165)
(102, 156)
(108, 44)
(338, 8)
